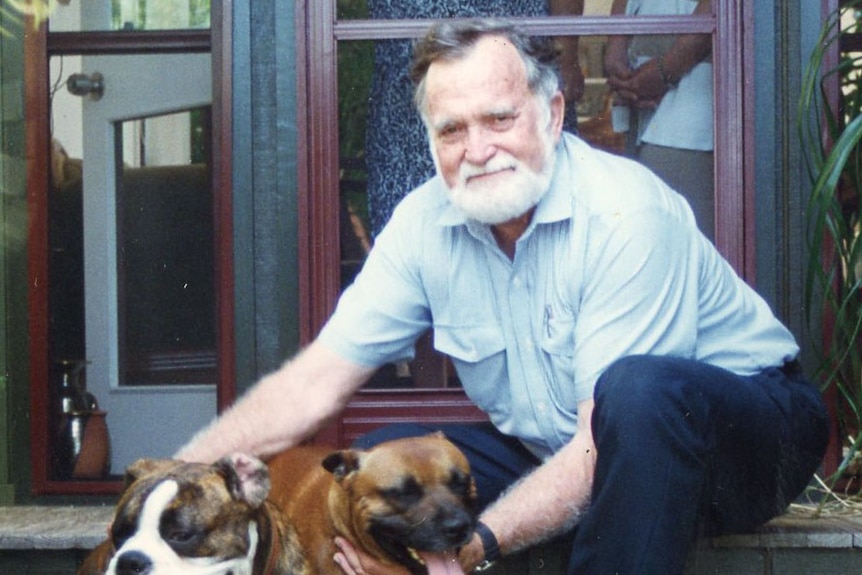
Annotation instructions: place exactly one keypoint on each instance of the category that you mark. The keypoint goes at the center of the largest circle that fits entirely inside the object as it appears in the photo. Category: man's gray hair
(453, 39)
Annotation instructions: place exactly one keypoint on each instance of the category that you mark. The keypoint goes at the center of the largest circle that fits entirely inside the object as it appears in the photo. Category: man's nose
(479, 146)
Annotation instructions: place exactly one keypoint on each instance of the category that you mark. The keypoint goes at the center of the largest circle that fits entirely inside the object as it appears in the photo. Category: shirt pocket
(479, 355)
(558, 333)
(558, 347)
(470, 344)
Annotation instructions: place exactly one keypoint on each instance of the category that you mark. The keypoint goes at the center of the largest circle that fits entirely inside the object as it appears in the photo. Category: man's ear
(558, 115)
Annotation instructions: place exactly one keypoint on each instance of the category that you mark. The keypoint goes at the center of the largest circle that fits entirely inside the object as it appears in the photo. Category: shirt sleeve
(379, 317)
(640, 294)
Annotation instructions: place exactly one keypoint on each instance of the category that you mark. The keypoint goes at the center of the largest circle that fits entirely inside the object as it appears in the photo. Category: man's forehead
(490, 53)
(491, 77)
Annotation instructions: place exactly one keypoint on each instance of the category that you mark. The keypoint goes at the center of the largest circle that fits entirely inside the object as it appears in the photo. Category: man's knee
(645, 391)
(638, 381)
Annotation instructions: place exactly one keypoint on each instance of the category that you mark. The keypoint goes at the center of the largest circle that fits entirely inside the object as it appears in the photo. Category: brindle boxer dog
(392, 501)
(196, 519)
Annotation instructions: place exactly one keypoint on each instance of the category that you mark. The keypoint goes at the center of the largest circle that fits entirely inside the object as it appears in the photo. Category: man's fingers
(347, 558)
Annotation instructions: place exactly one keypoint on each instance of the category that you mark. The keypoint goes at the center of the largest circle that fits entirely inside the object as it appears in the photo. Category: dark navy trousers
(683, 449)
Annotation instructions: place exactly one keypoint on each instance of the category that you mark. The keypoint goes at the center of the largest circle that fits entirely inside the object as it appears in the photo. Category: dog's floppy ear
(247, 477)
(342, 463)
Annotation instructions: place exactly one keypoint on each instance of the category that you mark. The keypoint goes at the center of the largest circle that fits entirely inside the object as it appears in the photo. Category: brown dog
(391, 501)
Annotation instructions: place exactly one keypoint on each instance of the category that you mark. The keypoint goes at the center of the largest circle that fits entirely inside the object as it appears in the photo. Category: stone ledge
(800, 531)
(58, 528)
(84, 527)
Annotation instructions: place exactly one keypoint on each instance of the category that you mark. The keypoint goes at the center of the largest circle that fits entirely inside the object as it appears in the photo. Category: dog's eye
(408, 493)
(180, 536)
(460, 483)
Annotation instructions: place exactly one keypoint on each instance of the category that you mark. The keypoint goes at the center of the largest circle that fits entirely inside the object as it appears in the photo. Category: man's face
(491, 138)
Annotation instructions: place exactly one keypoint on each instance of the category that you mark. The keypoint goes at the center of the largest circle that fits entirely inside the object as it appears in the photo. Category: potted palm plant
(830, 120)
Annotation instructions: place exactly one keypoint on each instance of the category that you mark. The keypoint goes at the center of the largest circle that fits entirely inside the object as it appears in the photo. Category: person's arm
(647, 85)
(570, 66)
(282, 409)
(546, 502)
(616, 60)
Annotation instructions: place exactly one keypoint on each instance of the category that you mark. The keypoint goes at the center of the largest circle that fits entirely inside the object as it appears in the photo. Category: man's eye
(502, 121)
(449, 132)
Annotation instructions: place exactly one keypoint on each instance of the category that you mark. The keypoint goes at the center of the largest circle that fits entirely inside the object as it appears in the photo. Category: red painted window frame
(39, 46)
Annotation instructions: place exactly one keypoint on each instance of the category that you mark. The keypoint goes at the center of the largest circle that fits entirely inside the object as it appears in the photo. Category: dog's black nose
(133, 563)
(457, 528)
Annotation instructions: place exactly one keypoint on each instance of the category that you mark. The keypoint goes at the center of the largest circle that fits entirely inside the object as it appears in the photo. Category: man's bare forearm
(282, 409)
(546, 502)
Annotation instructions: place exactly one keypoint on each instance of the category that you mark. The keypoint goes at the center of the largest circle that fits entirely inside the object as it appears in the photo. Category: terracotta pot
(87, 445)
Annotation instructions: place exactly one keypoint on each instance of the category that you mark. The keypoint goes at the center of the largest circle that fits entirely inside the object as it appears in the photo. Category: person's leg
(496, 460)
(681, 443)
(689, 172)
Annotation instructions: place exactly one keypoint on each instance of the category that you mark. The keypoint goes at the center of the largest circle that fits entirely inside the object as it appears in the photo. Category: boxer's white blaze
(148, 540)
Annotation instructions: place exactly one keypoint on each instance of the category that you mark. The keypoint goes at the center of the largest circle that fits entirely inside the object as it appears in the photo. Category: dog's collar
(274, 539)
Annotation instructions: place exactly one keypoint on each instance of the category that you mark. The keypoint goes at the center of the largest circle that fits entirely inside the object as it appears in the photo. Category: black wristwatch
(489, 545)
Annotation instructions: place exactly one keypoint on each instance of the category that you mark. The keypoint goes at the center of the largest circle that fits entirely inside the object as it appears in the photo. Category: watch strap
(489, 542)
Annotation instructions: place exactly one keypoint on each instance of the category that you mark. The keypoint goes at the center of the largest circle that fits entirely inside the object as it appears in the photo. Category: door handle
(92, 86)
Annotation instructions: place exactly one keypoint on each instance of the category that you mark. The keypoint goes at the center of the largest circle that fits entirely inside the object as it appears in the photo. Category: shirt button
(541, 407)
(516, 281)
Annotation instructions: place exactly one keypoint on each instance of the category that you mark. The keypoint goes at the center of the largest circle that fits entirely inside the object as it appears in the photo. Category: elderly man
(640, 392)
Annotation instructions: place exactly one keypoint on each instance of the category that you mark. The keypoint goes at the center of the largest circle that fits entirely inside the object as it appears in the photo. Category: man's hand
(355, 562)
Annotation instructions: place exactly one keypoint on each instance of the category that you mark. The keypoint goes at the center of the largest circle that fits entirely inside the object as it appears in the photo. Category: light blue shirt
(611, 265)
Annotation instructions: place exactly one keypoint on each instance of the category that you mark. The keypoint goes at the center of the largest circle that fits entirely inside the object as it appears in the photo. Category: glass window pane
(165, 251)
(101, 15)
(661, 105)
(65, 220)
(384, 148)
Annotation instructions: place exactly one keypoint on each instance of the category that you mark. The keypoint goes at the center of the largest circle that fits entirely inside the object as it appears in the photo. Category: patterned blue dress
(397, 153)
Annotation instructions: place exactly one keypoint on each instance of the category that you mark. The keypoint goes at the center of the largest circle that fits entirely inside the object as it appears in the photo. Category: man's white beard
(504, 196)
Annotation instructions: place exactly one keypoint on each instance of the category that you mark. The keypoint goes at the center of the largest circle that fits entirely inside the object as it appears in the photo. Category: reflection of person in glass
(666, 82)
(639, 392)
(396, 146)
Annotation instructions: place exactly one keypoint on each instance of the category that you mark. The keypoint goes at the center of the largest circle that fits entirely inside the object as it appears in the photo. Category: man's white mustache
(496, 164)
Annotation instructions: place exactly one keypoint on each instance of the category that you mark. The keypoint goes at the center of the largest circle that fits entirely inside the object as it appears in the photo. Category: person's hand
(644, 88)
(355, 562)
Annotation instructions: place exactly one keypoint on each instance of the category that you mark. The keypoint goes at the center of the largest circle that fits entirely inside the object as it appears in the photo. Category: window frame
(39, 47)
(320, 31)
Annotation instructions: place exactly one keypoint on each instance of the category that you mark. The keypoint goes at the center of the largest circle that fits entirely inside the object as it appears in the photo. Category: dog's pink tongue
(442, 563)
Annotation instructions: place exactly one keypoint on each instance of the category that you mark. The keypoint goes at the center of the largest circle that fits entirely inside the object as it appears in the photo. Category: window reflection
(106, 15)
(166, 285)
(649, 97)
(662, 93)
